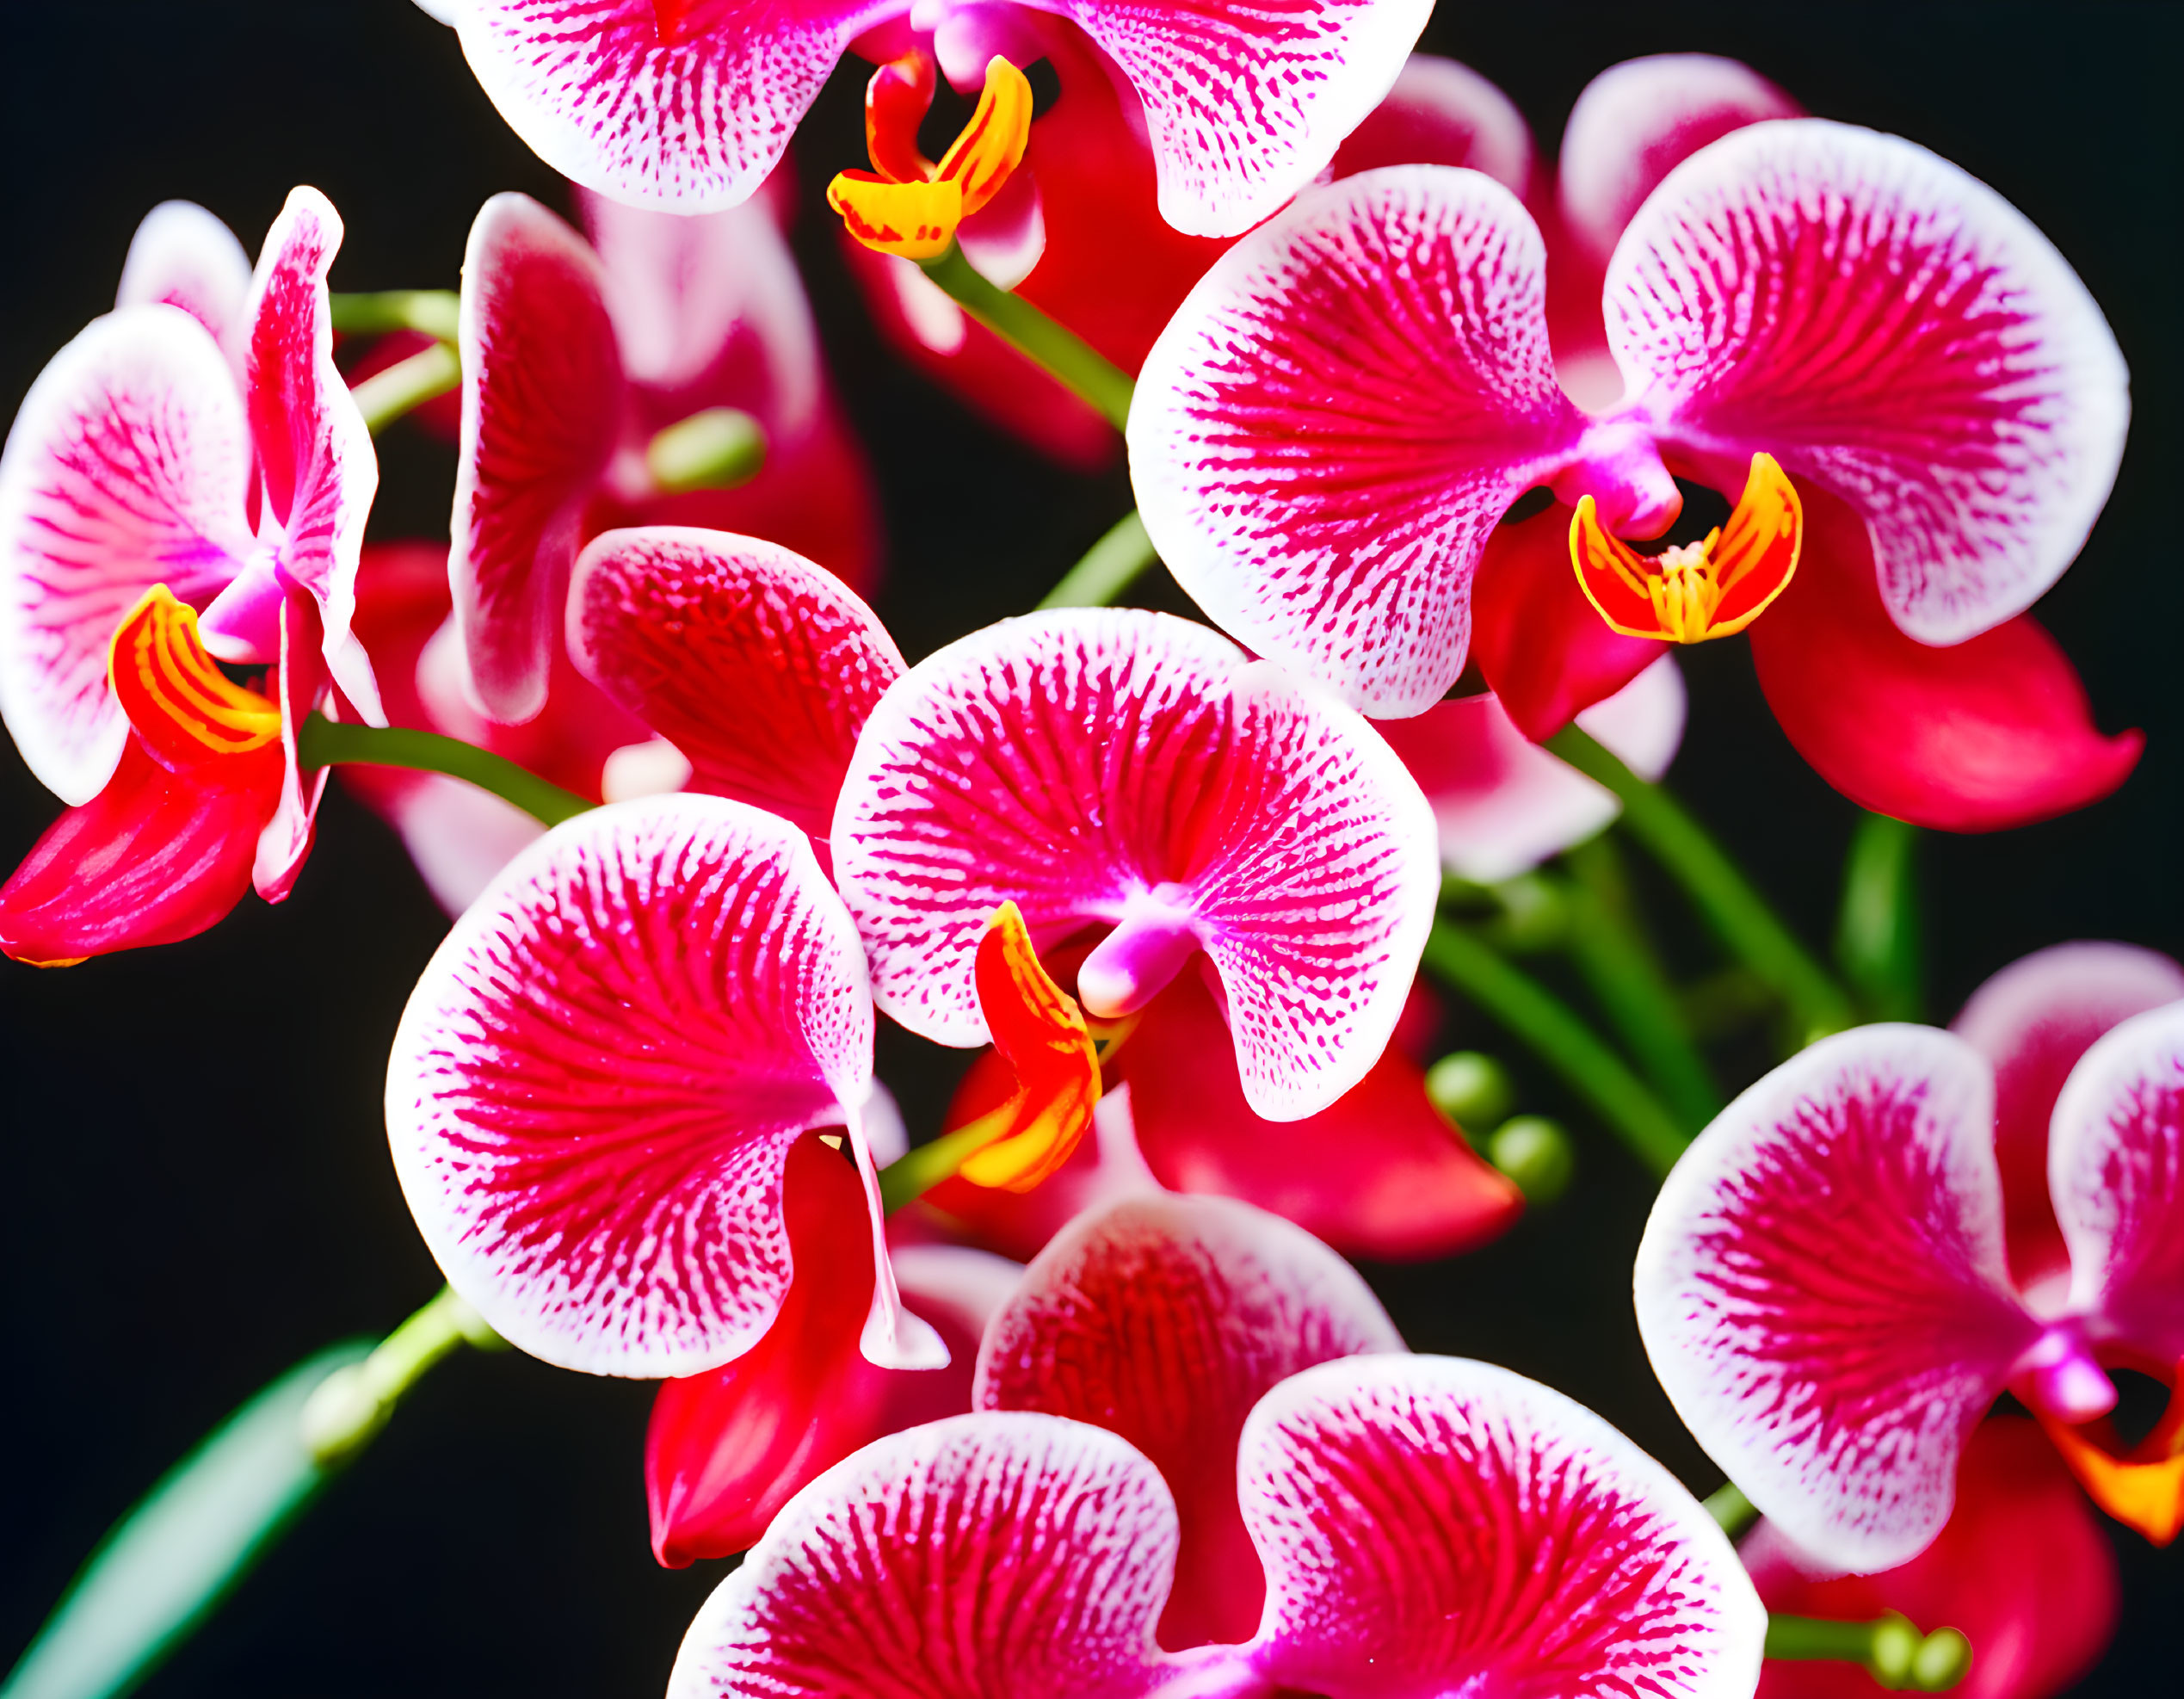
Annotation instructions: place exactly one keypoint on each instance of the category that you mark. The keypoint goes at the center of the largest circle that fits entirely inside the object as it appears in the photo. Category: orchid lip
(1157, 934)
(2063, 1380)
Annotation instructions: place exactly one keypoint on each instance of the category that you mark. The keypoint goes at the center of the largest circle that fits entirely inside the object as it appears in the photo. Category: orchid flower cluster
(1075, 1394)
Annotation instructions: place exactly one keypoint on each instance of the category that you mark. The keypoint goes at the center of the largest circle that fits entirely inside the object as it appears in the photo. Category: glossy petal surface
(1165, 1319)
(2032, 1022)
(996, 1556)
(126, 467)
(598, 1078)
(183, 256)
(758, 666)
(1075, 760)
(1336, 418)
(2116, 1166)
(1434, 1526)
(1886, 326)
(683, 107)
(1440, 113)
(1836, 1385)
(542, 410)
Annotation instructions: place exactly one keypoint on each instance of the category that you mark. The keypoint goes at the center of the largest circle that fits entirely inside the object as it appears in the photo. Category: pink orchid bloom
(190, 468)
(574, 356)
(1332, 509)
(1184, 1478)
(1839, 1392)
(686, 106)
(2022, 1568)
(596, 1086)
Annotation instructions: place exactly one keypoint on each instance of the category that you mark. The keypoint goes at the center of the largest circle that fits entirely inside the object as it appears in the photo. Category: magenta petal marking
(2116, 1164)
(1890, 327)
(1338, 416)
(314, 451)
(1434, 1526)
(126, 467)
(596, 1084)
(1245, 105)
(680, 108)
(758, 666)
(994, 1556)
(1075, 760)
(285, 842)
(1822, 1290)
(184, 256)
(1165, 1319)
(542, 410)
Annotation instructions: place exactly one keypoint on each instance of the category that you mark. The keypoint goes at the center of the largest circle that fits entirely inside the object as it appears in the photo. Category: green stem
(1553, 1030)
(1618, 962)
(323, 743)
(1891, 1648)
(916, 1172)
(350, 1406)
(1737, 913)
(437, 312)
(1877, 930)
(1072, 362)
(1728, 1506)
(385, 396)
(1109, 567)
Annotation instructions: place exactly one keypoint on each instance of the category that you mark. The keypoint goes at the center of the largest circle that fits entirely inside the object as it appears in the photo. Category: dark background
(196, 1191)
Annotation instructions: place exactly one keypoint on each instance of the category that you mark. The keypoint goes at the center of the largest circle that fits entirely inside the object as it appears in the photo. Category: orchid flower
(186, 483)
(685, 107)
(2022, 1568)
(575, 360)
(1184, 1477)
(598, 1081)
(1839, 1390)
(1332, 427)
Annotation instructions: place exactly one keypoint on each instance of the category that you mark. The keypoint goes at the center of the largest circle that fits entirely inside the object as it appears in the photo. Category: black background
(196, 1191)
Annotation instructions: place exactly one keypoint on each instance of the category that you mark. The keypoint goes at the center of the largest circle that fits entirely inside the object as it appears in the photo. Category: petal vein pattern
(1073, 761)
(1822, 1292)
(1887, 325)
(1336, 418)
(597, 1080)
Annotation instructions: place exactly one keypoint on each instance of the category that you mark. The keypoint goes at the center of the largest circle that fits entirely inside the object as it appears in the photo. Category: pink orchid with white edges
(1202, 1464)
(687, 105)
(190, 473)
(1839, 1392)
(1329, 432)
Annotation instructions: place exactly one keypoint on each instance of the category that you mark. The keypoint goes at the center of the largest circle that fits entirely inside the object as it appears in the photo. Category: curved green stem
(1561, 1039)
(916, 1172)
(1073, 362)
(1877, 929)
(1109, 567)
(321, 742)
(1728, 1506)
(348, 1409)
(1893, 1651)
(1737, 913)
(437, 312)
(385, 396)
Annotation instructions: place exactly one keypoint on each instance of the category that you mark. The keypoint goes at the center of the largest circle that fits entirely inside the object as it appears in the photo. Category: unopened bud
(1896, 1647)
(1941, 1662)
(1471, 1088)
(1535, 1152)
(716, 449)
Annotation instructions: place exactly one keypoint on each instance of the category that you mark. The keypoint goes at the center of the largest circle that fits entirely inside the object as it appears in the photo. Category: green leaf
(165, 1564)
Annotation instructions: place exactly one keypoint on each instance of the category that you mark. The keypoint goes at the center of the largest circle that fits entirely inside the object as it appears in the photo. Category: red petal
(1995, 732)
(2022, 1567)
(154, 858)
(1380, 1174)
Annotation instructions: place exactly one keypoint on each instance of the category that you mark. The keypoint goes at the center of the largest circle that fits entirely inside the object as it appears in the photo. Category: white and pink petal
(183, 256)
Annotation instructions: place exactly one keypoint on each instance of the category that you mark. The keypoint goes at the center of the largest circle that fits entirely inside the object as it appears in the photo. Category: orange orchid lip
(2142, 1486)
(907, 205)
(184, 707)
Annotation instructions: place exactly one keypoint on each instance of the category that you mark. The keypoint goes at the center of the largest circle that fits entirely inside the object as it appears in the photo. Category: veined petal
(682, 106)
(126, 467)
(1822, 1290)
(598, 1078)
(1889, 328)
(300, 676)
(184, 256)
(1165, 1319)
(1440, 113)
(1335, 419)
(993, 1556)
(2033, 1020)
(2116, 1166)
(1434, 1525)
(1246, 105)
(1377, 1173)
(2023, 1569)
(1078, 761)
(1991, 733)
(314, 451)
(542, 410)
(155, 857)
(1636, 121)
(758, 666)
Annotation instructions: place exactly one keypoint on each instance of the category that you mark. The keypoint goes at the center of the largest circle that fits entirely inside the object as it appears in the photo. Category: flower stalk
(321, 742)
(1109, 567)
(407, 384)
(1891, 1648)
(1065, 355)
